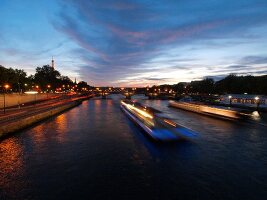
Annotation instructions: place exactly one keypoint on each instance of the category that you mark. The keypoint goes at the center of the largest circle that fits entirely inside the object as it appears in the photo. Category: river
(94, 151)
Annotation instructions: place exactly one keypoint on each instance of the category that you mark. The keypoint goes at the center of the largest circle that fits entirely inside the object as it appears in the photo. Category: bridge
(129, 92)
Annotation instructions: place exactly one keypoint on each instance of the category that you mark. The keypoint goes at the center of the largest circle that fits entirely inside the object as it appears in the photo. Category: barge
(154, 124)
(211, 111)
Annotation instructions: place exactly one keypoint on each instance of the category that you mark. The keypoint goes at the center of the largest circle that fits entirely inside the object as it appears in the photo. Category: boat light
(137, 110)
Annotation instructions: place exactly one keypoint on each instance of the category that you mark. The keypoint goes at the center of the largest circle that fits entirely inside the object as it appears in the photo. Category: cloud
(156, 79)
(237, 67)
(118, 39)
(250, 60)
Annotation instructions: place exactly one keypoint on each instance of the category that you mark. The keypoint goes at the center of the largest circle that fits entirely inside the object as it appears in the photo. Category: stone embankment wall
(18, 99)
(24, 122)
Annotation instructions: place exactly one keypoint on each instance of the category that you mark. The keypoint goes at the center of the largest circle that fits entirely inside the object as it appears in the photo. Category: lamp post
(35, 96)
(230, 99)
(6, 87)
(257, 99)
(48, 88)
(25, 87)
(19, 87)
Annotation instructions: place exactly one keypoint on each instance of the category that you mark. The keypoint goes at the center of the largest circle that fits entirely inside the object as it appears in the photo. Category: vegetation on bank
(46, 78)
(231, 84)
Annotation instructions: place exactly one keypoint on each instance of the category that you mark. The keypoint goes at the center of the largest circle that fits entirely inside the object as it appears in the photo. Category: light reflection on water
(94, 151)
(11, 166)
(11, 156)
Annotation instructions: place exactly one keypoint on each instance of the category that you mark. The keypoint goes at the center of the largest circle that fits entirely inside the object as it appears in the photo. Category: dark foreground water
(94, 152)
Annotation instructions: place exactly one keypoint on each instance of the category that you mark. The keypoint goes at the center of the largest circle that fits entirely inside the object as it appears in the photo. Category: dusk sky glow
(135, 42)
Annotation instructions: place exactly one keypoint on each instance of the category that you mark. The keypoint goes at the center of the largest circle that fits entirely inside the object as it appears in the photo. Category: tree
(16, 78)
(83, 86)
(180, 88)
(47, 75)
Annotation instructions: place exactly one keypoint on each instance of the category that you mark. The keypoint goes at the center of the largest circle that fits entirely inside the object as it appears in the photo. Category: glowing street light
(230, 99)
(257, 99)
(6, 86)
(48, 87)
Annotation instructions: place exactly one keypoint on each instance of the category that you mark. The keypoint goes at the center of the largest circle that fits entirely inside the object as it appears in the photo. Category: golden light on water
(61, 123)
(11, 159)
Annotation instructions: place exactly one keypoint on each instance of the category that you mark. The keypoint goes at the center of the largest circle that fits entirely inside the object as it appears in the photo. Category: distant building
(244, 99)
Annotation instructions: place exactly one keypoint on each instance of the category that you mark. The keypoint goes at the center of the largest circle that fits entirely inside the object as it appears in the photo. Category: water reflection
(93, 149)
(61, 123)
(256, 116)
(11, 165)
(10, 156)
(39, 134)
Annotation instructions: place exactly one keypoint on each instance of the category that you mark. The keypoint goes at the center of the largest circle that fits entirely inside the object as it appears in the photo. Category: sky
(136, 42)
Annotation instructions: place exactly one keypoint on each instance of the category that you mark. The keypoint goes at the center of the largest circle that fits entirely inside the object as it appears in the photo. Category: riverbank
(13, 123)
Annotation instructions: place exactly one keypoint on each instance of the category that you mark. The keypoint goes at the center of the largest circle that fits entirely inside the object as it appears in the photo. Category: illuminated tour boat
(211, 111)
(156, 126)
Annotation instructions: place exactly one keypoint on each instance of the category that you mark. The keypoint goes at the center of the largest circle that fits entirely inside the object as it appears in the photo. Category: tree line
(231, 84)
(46, 78)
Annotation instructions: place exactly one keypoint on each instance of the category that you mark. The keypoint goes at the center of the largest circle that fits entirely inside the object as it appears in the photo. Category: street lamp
(257, 99)
(25, 87)
(48, 87)
(230, 99)
(6, 86)
(19, 88)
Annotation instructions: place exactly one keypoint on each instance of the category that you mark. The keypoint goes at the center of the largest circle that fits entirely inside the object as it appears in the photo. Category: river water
(94, 151)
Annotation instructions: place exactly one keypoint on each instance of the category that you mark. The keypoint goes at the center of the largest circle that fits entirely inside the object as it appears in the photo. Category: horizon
(135, 43)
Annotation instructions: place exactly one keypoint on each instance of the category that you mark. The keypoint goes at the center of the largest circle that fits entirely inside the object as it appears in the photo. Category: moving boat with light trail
(154, 123)
(213, 111)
